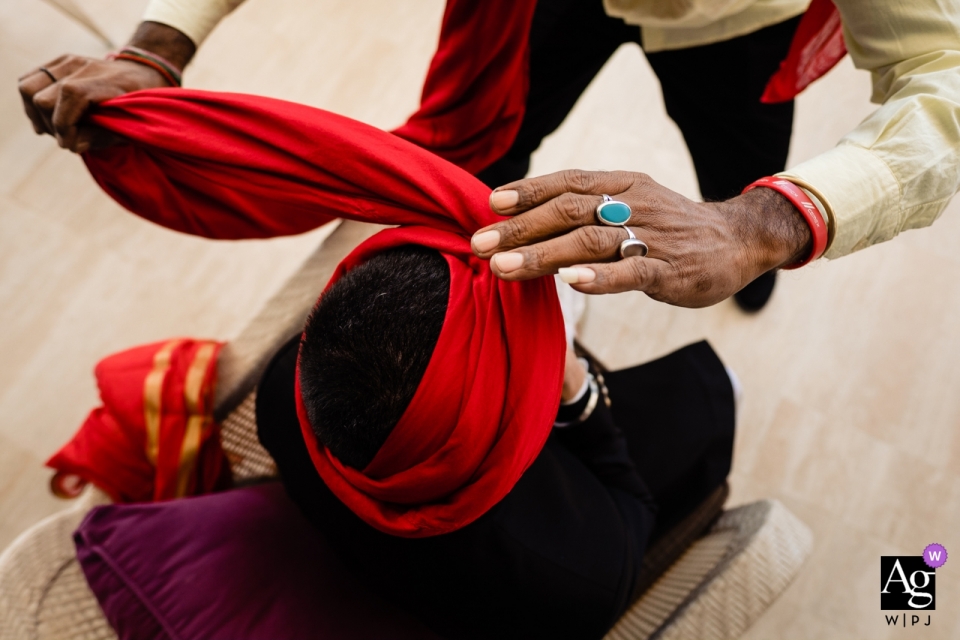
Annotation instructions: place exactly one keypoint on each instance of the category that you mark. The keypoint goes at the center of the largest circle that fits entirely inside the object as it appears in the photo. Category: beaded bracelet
(807, 209)
(164, 67)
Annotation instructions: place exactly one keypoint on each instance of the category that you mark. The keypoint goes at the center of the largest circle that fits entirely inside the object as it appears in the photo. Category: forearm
(164, 41)
(899, 168)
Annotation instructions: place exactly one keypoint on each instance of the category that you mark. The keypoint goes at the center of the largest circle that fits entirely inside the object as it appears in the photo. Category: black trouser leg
(713, 94)
(570, 40)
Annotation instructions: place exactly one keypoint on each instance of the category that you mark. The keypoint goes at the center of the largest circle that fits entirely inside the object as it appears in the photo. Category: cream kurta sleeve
(900, 167)
(193, 18)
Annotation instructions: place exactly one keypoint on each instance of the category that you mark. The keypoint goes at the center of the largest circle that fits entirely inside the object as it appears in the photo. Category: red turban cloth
(235, 166)
(154, 437)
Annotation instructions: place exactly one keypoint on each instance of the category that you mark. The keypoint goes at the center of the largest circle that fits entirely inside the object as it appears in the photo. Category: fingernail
(507, 262)
(82, 147)
(577, 275)
(486, 240)
(500, 200)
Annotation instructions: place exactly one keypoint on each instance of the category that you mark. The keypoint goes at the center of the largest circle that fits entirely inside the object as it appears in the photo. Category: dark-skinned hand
(700, 253)
(58, 108)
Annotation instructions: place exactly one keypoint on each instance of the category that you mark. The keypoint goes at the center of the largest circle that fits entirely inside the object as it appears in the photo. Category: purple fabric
(243, 564)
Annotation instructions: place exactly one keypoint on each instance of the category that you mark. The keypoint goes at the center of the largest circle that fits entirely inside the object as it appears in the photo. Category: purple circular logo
(935, 555)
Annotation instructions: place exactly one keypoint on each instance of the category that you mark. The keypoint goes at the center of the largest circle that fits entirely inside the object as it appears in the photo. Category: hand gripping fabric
(235, 166)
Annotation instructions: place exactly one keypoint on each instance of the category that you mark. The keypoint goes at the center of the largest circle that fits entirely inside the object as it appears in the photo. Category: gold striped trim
(153, 397)
(197, 420)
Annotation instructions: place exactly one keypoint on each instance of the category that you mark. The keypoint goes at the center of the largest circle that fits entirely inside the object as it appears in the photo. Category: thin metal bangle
(594, 396)
(592, 401)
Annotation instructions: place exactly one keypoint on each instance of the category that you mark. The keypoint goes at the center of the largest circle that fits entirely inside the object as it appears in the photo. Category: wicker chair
(710, 577)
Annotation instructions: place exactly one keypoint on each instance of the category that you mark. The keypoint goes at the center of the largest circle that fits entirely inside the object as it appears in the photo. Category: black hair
(366, 346)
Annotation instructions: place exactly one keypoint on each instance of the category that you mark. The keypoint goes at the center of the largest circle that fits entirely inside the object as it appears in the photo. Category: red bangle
(807, 209)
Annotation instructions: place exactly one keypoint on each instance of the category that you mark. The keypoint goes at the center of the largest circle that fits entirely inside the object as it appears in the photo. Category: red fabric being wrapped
(234, 166)
(241, 167)
(154, 437)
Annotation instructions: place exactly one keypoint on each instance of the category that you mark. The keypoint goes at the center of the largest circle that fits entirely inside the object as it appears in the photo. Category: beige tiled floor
(851, 411)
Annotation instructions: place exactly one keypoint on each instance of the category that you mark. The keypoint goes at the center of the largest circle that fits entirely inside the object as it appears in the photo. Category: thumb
(91, 138)
(629, 274)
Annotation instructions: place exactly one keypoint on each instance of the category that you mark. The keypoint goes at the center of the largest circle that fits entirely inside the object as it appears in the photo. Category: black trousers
(560, 555)
(712, 92)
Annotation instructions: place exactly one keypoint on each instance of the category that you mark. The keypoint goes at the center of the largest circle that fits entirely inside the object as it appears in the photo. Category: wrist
(771, 230)
(575, 376)
(164, 41)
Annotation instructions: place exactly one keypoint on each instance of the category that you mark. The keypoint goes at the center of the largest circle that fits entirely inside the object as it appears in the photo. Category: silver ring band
(632, 247)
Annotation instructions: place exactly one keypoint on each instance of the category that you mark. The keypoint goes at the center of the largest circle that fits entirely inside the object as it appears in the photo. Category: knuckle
(592, 241)
(43, 101)
(570, 209)
(70, 89)
(622, 180)
(642, 275)
(515, 230)
(537, 256)
(534, 192)
(581, 181)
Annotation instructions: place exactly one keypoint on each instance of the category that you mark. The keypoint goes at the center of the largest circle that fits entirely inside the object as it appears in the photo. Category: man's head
(366, 347)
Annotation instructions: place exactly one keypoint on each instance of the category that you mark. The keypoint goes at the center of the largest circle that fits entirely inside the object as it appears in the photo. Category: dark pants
(562, 554)
(712, 92)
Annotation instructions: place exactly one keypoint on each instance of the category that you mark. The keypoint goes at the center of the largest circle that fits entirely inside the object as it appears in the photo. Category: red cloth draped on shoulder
(235, 166)
(816, 48)
(475, 93)
(154, 438)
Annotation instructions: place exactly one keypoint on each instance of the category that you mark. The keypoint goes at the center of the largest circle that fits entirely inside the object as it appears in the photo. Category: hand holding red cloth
(234, 166)
(154, 438)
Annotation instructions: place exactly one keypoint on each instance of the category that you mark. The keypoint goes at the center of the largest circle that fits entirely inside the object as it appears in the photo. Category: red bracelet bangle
(807, 209)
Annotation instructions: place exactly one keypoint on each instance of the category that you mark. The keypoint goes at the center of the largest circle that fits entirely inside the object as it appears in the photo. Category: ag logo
(907, 582)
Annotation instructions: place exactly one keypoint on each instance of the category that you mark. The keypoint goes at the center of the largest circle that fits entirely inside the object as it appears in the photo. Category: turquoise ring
(613, 212)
